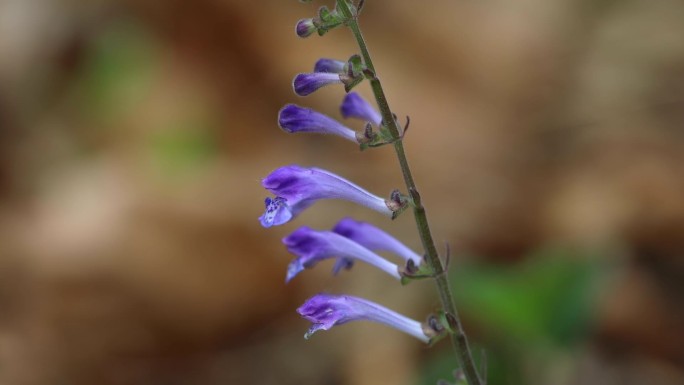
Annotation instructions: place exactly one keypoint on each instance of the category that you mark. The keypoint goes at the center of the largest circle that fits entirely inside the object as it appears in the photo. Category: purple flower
(296, 188)
(329, 65)
(374, 239)
(293, 118)
(355, 106)
(326, 311)
(311, 246)
(305, 84)
(305, 27)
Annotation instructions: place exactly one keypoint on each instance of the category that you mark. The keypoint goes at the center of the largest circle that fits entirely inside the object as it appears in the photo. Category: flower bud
(305, 28)
(329, 65)
(308, 83)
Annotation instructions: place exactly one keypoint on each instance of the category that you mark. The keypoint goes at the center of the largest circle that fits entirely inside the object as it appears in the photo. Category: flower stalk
(458, 337)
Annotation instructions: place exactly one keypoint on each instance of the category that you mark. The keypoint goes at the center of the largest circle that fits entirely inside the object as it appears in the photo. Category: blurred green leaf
(527, 312)
(549, 297)
(118, 70)
(183, 147)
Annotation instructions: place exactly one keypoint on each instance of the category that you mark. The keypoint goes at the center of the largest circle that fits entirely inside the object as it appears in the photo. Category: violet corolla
(329, 65)
(374, 239)
(296, 188)
(308, 83)
(354, 106)
(326, 311)
(312, 246)
(293, 118)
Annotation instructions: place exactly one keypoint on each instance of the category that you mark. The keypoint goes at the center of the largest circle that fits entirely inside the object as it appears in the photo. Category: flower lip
(293, 118)
(276, 212)
(312, 246)
(374, 238)
(308, 83)
(296, 188)
(354, 106)
(325, 311)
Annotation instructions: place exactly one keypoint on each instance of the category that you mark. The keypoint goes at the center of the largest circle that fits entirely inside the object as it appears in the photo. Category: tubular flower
(355, 106)
(293, 119)
(296, 188)
(311, 246)
(305, 84)
(374, 239)
(326, 311)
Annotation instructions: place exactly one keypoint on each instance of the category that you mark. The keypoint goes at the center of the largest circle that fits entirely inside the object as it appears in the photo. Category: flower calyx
(353, 72)
(383, 136)
(435, 327)
(326, 20)
(397, 203)
(413, 272)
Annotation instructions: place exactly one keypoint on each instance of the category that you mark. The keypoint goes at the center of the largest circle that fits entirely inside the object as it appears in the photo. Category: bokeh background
(547, 139)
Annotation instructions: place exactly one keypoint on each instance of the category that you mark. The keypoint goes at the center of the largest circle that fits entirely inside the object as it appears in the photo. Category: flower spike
(374, 239)
(296, 188)
(293, 119)
(306, 84)
(354, 106)
(326, 311)
(311, 246)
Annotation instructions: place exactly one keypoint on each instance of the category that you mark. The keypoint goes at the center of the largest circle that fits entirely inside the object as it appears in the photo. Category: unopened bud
(305, 27)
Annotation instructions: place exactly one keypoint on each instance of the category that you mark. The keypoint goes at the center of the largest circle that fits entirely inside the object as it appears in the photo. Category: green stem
(459, 340)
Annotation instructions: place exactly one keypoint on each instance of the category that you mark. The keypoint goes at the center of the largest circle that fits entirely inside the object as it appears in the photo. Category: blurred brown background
(547, 138)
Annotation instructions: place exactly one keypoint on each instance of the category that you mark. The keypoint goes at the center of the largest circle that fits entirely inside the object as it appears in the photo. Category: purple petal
(354, 106)
(326, 311)
(305, 84)
(311, 246)
(330, 66)
(292, 118)
(296, 188)
(374, 238)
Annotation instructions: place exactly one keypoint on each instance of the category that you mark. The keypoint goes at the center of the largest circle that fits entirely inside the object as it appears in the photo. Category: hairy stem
(458, 339)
